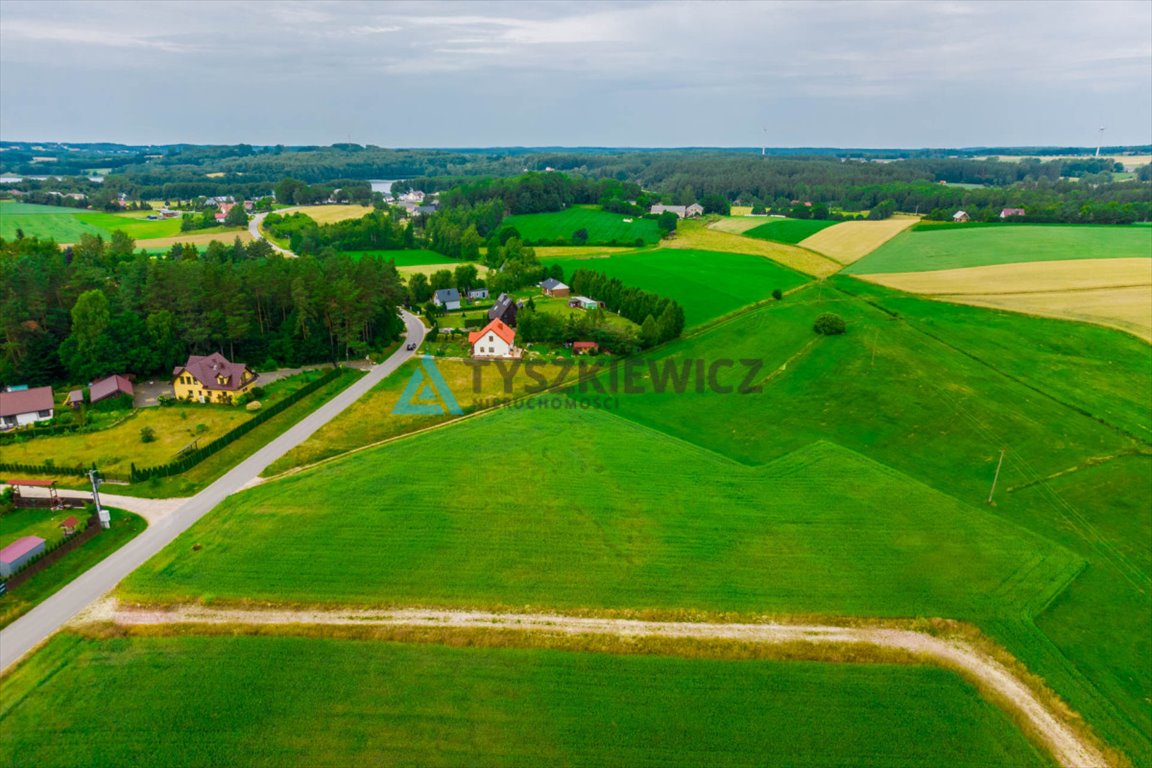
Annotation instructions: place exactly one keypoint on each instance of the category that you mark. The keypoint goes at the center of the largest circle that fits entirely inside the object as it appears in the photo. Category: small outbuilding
(584, 347)
(113, 386)
(76, 398)
(69, 525)
(19, 553)
(960, 217)
(583, 302)
(1008, 212)
(477, 293)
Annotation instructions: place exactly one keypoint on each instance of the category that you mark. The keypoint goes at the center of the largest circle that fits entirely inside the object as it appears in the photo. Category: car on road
(411, 346)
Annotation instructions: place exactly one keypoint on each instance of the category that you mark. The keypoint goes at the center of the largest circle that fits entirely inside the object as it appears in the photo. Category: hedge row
(195, 457)
(43, 469)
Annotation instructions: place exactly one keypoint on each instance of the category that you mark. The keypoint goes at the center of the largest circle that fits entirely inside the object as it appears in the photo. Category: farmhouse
(212, 379)
(477, 293)
(583, 302)
(504, 310)
(960, 216)
(553, 287)
(494, 340)
(19, 553)
(25, 406)
(683, 211)
(449, 298)
(113, 386)
(1011, 212)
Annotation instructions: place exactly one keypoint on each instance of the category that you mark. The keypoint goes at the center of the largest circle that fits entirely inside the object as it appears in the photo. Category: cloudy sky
(867, 74)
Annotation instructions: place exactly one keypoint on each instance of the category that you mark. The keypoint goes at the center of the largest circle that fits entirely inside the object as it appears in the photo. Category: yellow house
(212, 379)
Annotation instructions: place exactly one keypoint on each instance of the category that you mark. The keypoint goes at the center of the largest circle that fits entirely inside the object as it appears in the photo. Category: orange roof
(497, 327)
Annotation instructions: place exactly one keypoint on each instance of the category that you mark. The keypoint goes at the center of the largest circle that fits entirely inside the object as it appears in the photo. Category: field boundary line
(998, 676)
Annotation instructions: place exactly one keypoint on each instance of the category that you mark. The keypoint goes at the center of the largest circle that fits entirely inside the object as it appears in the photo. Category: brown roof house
(25, 406)
(113, 386)
(212, 379)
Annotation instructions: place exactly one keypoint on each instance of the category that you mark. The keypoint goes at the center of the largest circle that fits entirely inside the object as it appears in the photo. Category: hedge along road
(37, 625)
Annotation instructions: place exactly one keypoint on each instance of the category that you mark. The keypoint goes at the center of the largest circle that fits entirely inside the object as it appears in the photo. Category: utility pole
(101, 513)
(997, 475)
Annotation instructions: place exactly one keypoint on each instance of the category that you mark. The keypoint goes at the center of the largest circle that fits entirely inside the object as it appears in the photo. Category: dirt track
(1067, 746)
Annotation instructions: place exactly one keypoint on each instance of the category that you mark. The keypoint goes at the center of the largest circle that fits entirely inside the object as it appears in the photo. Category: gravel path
(1066, 744)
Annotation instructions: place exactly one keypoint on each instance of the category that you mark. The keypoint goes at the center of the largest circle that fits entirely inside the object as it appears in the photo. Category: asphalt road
(38, 625)
(254, 229)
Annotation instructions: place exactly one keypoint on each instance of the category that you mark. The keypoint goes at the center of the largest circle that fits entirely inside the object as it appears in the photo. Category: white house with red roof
(496, 339)
(20, 407)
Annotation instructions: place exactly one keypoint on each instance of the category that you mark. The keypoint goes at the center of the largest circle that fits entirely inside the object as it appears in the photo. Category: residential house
(449, 298)
(25, 406)
(496, 339)
(504, 310)
(113, 386)
(223, 212)
(477, 293)
(1011, 212)
(553, 287)
(960, 217)
(683, 211)
(584, 347)
(212, 379)
(583, 302)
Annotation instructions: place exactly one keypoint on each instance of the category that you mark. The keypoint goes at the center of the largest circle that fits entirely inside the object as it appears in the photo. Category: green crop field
(959, 246)
(708, 284)
(789, 231)
(66, 225)
(410, 258)
(603, 228)
(265, 701)
(822, 530)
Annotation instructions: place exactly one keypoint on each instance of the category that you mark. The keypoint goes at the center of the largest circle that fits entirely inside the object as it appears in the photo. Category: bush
(829, 324)
(778, 294)
(147, 435)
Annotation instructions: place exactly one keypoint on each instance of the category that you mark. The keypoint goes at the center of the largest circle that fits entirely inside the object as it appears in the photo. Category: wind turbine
(1100, 141)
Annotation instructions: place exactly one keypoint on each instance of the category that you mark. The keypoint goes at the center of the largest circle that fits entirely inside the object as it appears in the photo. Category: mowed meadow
(67, 225)
(603, 228)
(372, 702)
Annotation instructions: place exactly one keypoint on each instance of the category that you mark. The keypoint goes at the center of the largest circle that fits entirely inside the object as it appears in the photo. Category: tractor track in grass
(997, 680)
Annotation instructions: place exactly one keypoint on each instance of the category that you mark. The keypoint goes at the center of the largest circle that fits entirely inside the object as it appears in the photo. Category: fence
(54, 552)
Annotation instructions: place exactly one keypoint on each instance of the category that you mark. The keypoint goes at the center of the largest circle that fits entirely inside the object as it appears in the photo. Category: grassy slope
(357, 703)
(789, 231)
(124, 527)
(823, 530)
(410, 258)
(603, 228)
(979, 246)
(693, 234)
(707, 284)
(66, 225)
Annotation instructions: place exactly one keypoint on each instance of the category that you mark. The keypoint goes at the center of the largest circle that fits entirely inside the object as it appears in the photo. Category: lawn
(603, 228)
(123, 527)
(66, 225)
(171, 701)
(707, 284)
(955, 247)
(44, 523)
(788, 230)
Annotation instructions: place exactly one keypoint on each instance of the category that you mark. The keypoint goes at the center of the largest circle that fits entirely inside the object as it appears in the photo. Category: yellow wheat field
(1112, 292)
(740, 224)
(1023, 277)
(694, 235)
(196, 238)
(850, 241)
(330, 214)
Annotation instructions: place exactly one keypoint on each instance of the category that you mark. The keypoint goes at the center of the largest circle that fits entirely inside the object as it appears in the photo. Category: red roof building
(584, 347)
(109, 387)
(26, 406)
(493, 340)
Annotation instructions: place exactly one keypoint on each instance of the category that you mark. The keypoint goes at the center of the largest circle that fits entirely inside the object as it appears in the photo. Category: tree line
(101, 308)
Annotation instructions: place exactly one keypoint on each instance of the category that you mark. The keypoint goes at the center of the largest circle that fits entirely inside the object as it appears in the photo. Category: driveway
(44, 620)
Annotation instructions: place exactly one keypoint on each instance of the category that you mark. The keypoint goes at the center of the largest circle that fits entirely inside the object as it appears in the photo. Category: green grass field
(822, 530)
(66, 225)
(952, 247)
(603, 228)
(789, 231)
(411, 258)
(172, 701)
(708, 284)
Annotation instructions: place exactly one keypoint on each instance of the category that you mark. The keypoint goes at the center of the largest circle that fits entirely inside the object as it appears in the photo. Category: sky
(949, 73)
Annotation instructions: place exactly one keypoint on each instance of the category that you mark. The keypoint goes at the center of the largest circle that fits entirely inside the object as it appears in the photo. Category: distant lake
(381, 185)
(11, 179)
